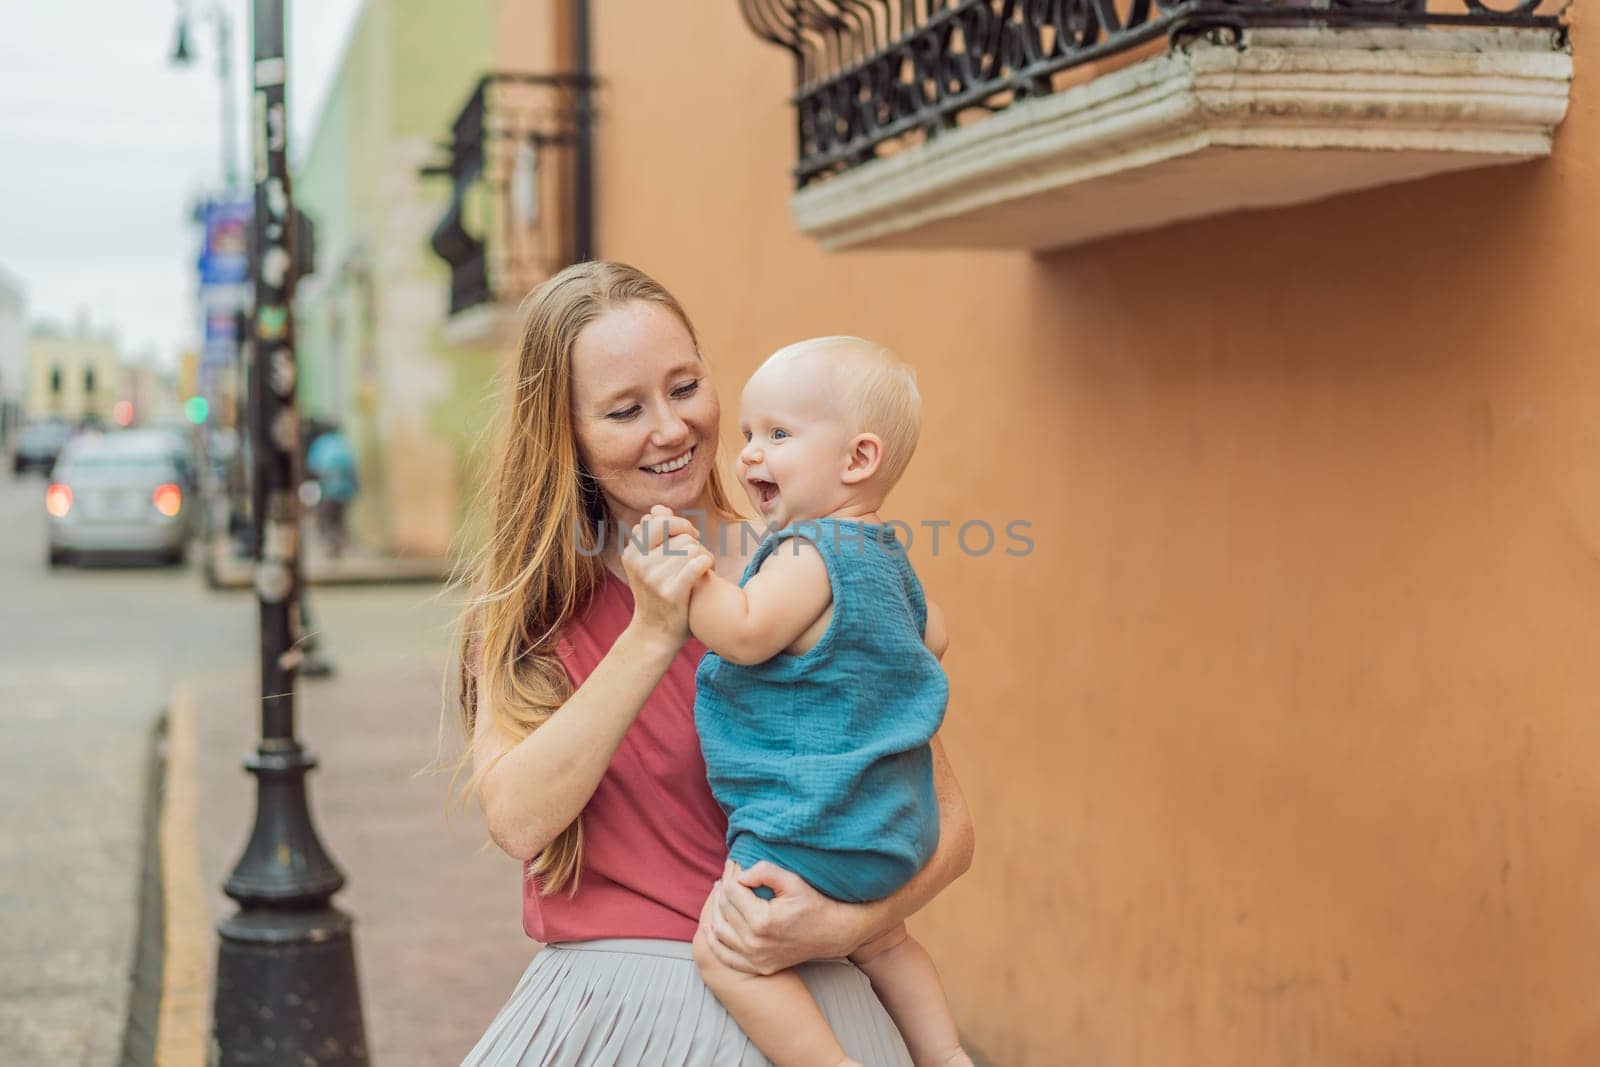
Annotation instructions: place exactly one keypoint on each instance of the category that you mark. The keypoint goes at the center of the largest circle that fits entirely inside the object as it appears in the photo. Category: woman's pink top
(653, 836)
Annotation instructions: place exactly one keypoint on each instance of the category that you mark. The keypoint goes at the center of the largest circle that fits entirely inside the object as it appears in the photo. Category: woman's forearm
(534, 788)
(950, 859)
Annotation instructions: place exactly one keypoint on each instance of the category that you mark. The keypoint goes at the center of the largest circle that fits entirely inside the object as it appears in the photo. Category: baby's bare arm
(754, 623)
(935, 636)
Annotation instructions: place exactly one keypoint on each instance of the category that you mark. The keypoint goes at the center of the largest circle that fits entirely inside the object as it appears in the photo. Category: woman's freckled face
(641, 399)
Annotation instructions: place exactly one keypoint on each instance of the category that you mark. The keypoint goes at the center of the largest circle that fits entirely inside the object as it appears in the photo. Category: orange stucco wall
(1282, 742)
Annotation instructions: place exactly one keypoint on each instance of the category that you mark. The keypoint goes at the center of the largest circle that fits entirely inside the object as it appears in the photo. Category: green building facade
(375, 356)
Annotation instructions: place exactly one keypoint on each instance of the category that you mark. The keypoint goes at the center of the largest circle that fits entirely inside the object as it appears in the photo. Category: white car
(119, 494)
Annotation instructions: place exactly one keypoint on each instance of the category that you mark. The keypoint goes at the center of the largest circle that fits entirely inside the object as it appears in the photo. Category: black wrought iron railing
(875, 73)
(517, 200)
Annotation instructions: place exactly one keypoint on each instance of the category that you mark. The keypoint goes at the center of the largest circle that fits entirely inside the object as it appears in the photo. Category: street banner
(224, 268)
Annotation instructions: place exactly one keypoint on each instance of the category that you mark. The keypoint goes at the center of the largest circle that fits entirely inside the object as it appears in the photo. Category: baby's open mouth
(765, 491)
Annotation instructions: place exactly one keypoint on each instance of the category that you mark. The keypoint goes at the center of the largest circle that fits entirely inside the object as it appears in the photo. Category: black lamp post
(286, 974)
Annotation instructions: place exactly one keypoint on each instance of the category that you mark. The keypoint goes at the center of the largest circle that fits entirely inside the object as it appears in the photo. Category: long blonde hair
(532, 576)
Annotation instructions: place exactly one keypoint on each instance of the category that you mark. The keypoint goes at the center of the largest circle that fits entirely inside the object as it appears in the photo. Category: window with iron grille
(509, 224)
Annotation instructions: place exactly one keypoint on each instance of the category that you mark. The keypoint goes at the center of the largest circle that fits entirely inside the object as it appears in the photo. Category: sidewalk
(438, 931)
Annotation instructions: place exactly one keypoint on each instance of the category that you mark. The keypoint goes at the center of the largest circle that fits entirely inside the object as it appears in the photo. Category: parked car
(38, 445)
(178, 442)
(120, 494)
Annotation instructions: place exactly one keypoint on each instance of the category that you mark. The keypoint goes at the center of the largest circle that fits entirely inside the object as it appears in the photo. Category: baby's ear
(866, 456)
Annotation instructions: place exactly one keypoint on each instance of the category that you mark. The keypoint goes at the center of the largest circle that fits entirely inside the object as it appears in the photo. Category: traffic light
(195, 409)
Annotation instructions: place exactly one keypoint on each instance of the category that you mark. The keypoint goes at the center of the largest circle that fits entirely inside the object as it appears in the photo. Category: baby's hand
(663, 513)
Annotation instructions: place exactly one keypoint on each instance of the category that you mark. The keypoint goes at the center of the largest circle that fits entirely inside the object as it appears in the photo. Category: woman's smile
(671, 466)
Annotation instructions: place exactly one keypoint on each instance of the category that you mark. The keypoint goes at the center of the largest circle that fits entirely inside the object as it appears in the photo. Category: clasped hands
(663, 558)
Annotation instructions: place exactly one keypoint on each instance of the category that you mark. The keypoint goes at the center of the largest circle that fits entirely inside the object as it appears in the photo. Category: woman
(606, 802)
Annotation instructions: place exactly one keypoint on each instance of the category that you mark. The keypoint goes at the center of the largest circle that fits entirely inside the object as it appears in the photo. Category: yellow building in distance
(73, 374)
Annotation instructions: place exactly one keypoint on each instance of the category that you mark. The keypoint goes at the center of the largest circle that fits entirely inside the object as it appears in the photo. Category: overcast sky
(104, 145)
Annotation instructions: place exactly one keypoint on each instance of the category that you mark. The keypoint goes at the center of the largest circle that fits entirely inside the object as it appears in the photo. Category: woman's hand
(663, 571)
(766, 936)
(759, 936)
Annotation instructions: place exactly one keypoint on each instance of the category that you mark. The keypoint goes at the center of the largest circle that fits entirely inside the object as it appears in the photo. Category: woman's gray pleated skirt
(630, 1001)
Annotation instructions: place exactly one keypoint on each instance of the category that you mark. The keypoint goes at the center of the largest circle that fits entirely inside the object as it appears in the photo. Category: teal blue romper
(821, 760)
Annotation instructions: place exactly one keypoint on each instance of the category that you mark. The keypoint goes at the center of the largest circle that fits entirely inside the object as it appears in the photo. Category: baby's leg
(776, 1011)
(906, 981)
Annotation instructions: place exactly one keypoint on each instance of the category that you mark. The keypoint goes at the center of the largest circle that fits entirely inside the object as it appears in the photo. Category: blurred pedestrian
(333, 465)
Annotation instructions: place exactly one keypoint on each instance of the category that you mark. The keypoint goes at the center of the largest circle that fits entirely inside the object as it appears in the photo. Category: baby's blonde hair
(878, 391)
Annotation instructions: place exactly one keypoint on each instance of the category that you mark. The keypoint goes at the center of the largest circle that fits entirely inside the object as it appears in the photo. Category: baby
(823, 687)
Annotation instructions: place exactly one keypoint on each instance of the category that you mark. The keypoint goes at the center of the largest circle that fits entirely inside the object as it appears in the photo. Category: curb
(182, 1028)
(169, 999)
(144, 980)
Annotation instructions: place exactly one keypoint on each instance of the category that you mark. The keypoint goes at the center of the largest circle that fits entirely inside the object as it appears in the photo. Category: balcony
(1040, 125)
(516, 200)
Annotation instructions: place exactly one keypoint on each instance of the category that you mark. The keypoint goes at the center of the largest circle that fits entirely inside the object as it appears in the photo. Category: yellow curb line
(185, 999)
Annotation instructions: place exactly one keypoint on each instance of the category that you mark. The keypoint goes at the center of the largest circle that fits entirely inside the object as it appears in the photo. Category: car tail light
(168, 499)
(58, 500)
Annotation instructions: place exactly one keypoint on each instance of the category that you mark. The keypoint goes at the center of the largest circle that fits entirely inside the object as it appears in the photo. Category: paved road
(87, 660)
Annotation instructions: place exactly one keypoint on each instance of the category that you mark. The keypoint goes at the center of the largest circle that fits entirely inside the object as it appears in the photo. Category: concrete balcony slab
(1281, 116)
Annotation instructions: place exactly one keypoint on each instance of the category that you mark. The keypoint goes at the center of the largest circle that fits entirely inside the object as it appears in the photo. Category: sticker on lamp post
(274, 322)
(281, 371)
